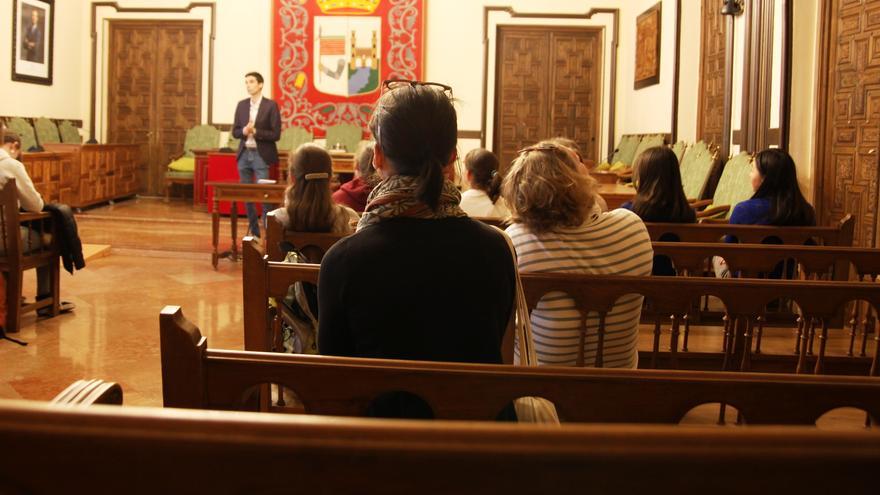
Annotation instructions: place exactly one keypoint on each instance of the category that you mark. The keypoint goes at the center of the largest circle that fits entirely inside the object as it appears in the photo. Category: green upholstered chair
(347, 135)
(69, 133)
(697, 163)
(679, 149)
(182, 169)
(734, 186)
(648, 141)
(47, 131)
(294, 137)
(24, 130)
(626, 150)
(233, 142)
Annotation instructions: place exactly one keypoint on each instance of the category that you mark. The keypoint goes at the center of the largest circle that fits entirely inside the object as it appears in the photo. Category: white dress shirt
(255, 107)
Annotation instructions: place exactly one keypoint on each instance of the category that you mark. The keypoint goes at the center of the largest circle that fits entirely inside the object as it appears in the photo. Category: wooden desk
(616, 194)
(234, 192)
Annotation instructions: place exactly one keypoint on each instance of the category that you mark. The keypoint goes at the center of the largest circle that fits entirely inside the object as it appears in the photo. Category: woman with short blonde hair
(559, 228)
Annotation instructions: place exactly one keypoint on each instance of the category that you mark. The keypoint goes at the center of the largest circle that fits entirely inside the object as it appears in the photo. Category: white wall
(804, 67)
(60, 100)
(689, 70)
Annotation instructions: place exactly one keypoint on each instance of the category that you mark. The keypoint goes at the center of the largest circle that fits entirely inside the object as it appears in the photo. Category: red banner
(331, 56)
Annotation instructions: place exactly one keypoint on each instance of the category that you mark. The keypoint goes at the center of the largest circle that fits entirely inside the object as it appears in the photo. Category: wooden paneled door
(849, 149)
(154, 91)
(547, 84)
(713, 32)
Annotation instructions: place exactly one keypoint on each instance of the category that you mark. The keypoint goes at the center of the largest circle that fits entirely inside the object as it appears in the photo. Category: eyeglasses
(392, 84)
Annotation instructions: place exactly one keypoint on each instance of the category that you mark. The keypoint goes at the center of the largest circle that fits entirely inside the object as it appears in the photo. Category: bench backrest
(138, 450)
(194, 376)
(750, 260)
(312, 244)
(839, 235)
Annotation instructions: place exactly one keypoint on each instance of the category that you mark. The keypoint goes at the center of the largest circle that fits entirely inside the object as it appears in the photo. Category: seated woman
(558, 228)
(586, 164)
(307, 203)
(483, 199)
(419, 279)
(777, 200)
(659, 195)
(354, 192)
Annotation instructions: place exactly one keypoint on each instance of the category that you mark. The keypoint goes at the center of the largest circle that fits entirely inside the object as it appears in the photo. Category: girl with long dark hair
(778, 199)
(659, 193)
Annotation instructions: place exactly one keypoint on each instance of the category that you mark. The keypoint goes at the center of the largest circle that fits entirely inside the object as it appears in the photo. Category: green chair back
(679, 149)
(47, 131)
(233, 142)
(735, 185)
(348, 135)
(648, 141)
(626, 150)
(294, 137)
(69, 134)
(201, 137)
(696, 166)
(21, 127)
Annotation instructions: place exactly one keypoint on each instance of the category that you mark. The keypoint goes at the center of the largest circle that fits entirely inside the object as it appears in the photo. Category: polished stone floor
(160, 255)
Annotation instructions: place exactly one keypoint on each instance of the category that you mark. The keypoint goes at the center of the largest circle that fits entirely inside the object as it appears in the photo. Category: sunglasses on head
(392, 84)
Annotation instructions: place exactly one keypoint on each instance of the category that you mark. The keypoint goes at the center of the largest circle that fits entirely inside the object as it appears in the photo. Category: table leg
(215, 231)
(234, 215)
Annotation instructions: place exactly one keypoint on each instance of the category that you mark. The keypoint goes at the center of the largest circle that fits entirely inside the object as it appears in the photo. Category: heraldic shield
(347, 54)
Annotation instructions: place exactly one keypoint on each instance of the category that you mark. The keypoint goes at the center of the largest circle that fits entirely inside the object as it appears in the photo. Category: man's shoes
(63, 307)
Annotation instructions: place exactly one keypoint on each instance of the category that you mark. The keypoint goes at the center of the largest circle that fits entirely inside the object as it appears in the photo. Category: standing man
(257, 124)
(33, 40)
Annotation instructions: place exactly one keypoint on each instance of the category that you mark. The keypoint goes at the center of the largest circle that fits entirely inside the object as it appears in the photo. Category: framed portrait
(33, 31)
(648, 47)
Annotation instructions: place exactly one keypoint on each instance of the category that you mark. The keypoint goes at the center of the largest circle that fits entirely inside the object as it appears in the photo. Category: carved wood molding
(615, 40)
(150, 10)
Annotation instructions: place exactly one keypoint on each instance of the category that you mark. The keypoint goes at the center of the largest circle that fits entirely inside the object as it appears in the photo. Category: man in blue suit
(257, 124)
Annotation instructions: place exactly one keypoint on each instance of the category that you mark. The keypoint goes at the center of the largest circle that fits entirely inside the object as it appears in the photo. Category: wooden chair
(16, 259)
(182, 169)
(140, 450)
(194, 376)
(696, 166)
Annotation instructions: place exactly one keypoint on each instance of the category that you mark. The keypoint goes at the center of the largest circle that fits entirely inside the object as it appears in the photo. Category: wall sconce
(732, 7)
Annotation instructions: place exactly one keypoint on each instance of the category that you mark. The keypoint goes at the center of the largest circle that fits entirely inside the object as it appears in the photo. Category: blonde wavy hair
(546, 188)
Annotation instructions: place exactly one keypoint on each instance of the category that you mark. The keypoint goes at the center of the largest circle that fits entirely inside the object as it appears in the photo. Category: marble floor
(160, 255)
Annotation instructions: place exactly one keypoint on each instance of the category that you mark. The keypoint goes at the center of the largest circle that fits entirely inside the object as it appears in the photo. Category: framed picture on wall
(648, 47)
(32, 35)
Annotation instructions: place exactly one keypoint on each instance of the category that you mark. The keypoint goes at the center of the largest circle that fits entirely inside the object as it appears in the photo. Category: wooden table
(234, 192)
(616, 194)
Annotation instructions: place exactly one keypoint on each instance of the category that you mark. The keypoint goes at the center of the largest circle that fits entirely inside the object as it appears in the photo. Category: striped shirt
(612, 243)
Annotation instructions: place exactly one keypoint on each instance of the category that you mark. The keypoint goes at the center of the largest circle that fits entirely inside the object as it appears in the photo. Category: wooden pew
(838, 235)
(105, 449)
(670, 299)
(311, 244)
(194, 376)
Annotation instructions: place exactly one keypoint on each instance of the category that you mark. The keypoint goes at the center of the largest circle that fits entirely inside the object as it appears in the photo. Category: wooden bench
(105, 449)
(670, 299)
(311, 244)
(194, 376)
(838, 235)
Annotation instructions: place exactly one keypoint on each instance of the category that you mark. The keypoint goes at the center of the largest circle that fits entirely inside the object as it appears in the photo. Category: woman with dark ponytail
(419, 279)
(483, 199)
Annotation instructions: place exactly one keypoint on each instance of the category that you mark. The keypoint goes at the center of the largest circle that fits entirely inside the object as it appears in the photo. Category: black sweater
(436, 290)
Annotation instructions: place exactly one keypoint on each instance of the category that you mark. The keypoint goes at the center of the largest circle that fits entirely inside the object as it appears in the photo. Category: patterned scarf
(395, 197)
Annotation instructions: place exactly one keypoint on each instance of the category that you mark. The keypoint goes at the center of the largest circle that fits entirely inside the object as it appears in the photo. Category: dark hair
(483, 166)
(660, 196)
(256, 75)
(11, 137)
(780, 185)
(365, 161)
(309, 204)
(416, 127)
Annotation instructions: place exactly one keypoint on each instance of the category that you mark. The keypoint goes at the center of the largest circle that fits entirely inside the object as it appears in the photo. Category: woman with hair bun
(419, 279)
(483, 199)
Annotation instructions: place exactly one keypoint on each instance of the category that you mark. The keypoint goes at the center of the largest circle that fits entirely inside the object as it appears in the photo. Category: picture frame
(647, 70)
(33, 33)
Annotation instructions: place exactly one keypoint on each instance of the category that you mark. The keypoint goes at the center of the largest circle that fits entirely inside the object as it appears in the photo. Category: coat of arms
(347, 54)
